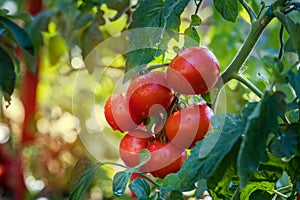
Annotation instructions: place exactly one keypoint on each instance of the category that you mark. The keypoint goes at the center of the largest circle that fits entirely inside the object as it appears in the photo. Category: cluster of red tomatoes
(152, 99)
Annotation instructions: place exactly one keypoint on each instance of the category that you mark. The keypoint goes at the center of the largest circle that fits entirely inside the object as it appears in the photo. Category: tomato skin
(149, 94)
(131, 145)
(117, 113)
(165, 159)
(189, 125)
(194, 70)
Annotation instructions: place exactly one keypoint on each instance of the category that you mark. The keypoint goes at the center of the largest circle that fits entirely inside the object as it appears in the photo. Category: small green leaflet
(261, 122)
(81, 176)
(121, 178)
(144, 156)
(227, 8)
(141, 188)
(7, 75)
(120, 181)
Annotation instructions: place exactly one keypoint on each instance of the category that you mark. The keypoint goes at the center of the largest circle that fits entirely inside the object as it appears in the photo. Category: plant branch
(249, 10)
(248, 83)
(257, 29)
(149, 179)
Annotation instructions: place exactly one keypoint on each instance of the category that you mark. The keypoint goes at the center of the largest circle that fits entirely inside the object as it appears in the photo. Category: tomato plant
(248, 152)
(214, 85)
(194, 70)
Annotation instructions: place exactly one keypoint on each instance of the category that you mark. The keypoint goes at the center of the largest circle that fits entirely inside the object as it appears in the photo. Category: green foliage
(163, 15)
(12, 37)
(261, 122)
(120, 181)
(227, 8)
(141, 188)
(7, 75)
(81, 176)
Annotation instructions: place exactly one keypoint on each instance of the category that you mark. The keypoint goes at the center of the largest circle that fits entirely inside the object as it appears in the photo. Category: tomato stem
(148, 179)
(257, 29)
(150, 68)
(135, 171)
(241, 78)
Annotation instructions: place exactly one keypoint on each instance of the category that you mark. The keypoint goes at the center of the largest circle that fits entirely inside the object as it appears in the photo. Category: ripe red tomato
(132, 144)
(149, 94)
(194, 70)
(189, 125)
(117, 113)
(165, 159)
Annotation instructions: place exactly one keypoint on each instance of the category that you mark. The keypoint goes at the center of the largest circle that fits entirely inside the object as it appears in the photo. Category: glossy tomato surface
(116, 111)
(131, 145)
(149, 94)
(189, 125)
(165, 159)
(195, 70)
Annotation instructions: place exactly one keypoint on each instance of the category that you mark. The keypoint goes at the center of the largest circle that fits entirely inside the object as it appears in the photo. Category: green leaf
(196, 20)
(226, 172)
(227, 8)
(260, 124)
(171, 181)
(81, 176)
(294, 80)
(20, 35)
(120, 181)
(57, 48)
(83, 20)
(298, 186)
(90, 38)
(3, 12)
(158, 13)
(141, 188)
(146, 44)
(208, 153)
(144, 156)
(201, 188)
(175, 195)
(39, 24)
(247, 192)
(25, 16)
(293, 168)
(22, 39)
(7, 75)
(285, 144)
(119, 5)
(191, 37)
(292, 27)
